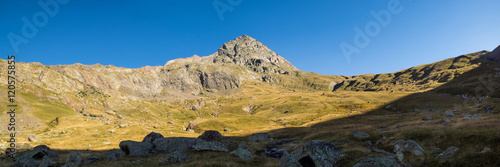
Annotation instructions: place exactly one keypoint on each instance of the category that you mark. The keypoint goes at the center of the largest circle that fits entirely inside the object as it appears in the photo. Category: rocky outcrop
(134, 148)
(113, 154)
(288, 160)
(494, 55)
(172, 144)
(317, 153)
(152, 137)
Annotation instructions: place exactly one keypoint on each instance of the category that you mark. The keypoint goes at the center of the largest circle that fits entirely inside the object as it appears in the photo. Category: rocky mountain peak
(247, 51)
(494, 55)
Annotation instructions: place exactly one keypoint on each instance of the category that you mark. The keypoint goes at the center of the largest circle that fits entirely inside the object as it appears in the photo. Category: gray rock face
(360, 135)
(494, 55)
(113, 154)
(317, 153)
(152, 137)
(210, 135)
(408, 145)
(448, 152)
(242, 153)
(176, 156)
(134, 148)
(73, 160)
(38, 153)
(259, 137)
(209, 146)
(172, 144)
(377, 162)
(26, 162)
(288, 160)
(92, 158)
(47, 162)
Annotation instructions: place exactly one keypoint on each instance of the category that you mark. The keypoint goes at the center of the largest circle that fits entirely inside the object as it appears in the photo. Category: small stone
(427, 118)
(33, 138)
(448, 152)
(359, 135)
(485, 150)
(449, 113)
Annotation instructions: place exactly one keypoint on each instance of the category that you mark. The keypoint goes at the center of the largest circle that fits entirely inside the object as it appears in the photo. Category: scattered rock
(427, 118)
(47, 162)
(73, 160)
(473, 117)
(485, 150)
(242, 153)
(38, 152)
(134, 148)
(449, 113)
(172, 144)
(369, 143)
(273, 151)
(259, 137)
(359, 135)
(408, 145)
(210, 135)
(377, 162)
(288, 160)
(317, 153)
(92, 158)
(209, 146)
(152, 137)
(33, 138)
(113, 154)
(176, 156)
(26, 162)
(448, 152)
(397, 127)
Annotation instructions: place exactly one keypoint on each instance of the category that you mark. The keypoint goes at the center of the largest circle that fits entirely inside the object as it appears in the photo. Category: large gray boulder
(73, 160)
(151, 137)
(408, 145)
(47, 162)
(288, 160)
(377, 162)
(242, 153)
(317, 153)
(176, 156)
(210, 135)
(26, 162)
(114, 154)
(134, 148)
(172, 144)
(209, 146)
(38, 153)
(92, 158)
(259, 137)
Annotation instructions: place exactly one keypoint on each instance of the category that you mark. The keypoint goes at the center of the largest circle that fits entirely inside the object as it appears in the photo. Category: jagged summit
(244, 51)
(494, 55)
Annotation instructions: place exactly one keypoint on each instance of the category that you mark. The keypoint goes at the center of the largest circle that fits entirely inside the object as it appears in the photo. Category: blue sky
(138, 33)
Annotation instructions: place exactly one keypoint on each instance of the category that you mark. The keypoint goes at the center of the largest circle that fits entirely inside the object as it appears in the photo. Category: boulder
(427, 118)
(377, 162)
(26, 162)
(152, 137)
(448, 152)
(288, 160)
(92, 158)
(73, 160)
(176, 156)
(33, 138)
(359, 135)
(242, 153)
(113, 154)
(210, 135)
(209, 146)
(408, 145)
(449, 113)
(47, 162)
(38, 152)
(172, 144)
(134, 148)
(259, 137)
(317, 153)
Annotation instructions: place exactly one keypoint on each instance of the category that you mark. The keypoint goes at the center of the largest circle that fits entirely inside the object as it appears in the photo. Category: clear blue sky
(139, 33)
